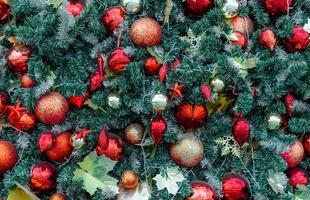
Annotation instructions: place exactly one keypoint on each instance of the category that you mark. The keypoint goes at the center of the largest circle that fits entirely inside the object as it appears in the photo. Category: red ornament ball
(19, 118)
(299, 40)
(243, 25)
(157, 129)
(129, 179)
(268, 38)
(151, 66)
(277, 7)
(75, 8)
(145, 32)
(43, 177)
(52, 108)
(235, 187)
(4, 10)
(133, 133)
(58, 196)
(110, 145)
(294, 155)
(26, 81)
(191, 116)
(17, 58)
(202, 191)
(46, 141)
(118, 60)
(241, 40)
(8, 156)
(306, 143)
(297, 176)
(4, 101)
(197, 7)
(187, 152)
(113, 17)
(241, 130)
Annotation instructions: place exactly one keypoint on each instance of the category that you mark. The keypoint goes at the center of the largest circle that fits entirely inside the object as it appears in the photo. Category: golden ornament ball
(133, 133)
(131, 6)
(129, 179)
(145, 32)
(242, 24)
(58, 196)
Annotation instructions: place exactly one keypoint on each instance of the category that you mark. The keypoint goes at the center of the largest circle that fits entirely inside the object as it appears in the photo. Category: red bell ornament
(202, 191)
(43, 177)
(197, 7)
(19, 118)
(294, 155)
(110, 145)
(113, 17)
(151, 66)
(191, 116)
(297, 176)
(235, 187)
(277, 7)
(157, 129)
(75, 8)
(17, 58)
(268, 38)
(118, 60)
(299, 40)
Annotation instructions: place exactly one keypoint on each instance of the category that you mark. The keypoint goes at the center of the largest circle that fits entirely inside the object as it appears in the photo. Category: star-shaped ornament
(176, 90)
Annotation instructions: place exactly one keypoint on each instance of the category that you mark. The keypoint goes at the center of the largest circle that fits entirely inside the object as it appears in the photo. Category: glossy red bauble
(110, 145)
(26, 81)
(202, 191)
(20, 118)
(8, 156)
(243, 25)
(191, 116)
(241, 40)
(4, 101)
(118, 60)
(205, 92)
(294, 155)
(277, 7)
(306, 143)
(43, 177)
(268, 38)
(75, 8)
(197, 7)
(4, 11)
(297, 176)
(52, 108)
(235, 187)
(157, 129)
(78, 101)
(151, 66)
(17, 58)
(241, 130)
(61, 148)
(289, 102)
(299, 40)
(113, 17)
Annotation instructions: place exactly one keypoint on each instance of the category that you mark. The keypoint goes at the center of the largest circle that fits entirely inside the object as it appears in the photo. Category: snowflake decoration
(230, 146)
(194, 42)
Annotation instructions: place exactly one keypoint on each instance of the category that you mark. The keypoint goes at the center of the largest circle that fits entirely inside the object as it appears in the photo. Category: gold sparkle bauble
(58, 196)
(133, 133)
(131, 6)
(159, 102)
(217, 84)
(114, 101)
(187, 152)
(129, 179)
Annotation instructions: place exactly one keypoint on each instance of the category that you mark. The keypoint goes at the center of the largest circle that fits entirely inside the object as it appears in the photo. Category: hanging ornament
(299, 40)
(58, 196)
(243, 25)
(43, 177)
(97, 78)
(52, 108)
(8, 156)
(131, 6)
(19, 118)
(235, 187)
(78, 101)
(176, 90)
(114, 101)
(306, 143)
(297, 176)
(4, 101)
(231, 8)
(113, 17)
(133, 133)
(78, 139)
(129, 179)
(187, 151)
(240, 129)
(191, 116)
(294, 155)
(239, 40)
(273, 121)
(26, 81)
(197, 7)
(217, 84)
(159, 102)
(202, 190)
(176, 63)
(289, 102)
(17, 58)
(157, 129)
(118, 60)
(46, 141)
(277, 7)
(110, 145)
(151, 66)
(205, 92)
(75, 7)
(268, 38)
(162, 73)
(4, 10)
(145, 32)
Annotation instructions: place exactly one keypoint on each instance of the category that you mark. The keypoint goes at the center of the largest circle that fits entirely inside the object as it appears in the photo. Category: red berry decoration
(8, 156)
(4, 10)
(151, 66)
(241, 40)
(78, 101)
(277, 7)
(191, 116)
(113, 17)
(289, 102)
(58, 196)
(52, 108)
(110, 145)
(205, 92)
(4, 101)
(306, 144)
(75, 8)
(157, 129)
(118, 60)
(243, 25)
(297, 176)
(43, 177)
(19, 118)
(17, 58)
(240, 129)
(202, 190)
(61, 147)
(26, 81)
(268, 38)
(145, 32)
(197, 7)
(162, 73)
(299, 40)
(235, 187)
(294, 155)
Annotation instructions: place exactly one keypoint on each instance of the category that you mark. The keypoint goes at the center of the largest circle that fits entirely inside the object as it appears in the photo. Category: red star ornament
(176, 90)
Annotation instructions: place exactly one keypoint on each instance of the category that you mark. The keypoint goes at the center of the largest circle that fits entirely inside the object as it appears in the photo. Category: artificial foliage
(196, 65)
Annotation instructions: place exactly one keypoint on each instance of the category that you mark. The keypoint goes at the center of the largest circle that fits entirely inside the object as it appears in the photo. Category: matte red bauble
(197, 7)
(202, 191)
(268, 38)
(113, 17)
(4, 101)
(241, 130)
(151, 66)
(277, 7)
(118, 60)
(58, 196)
(17, 58)
(145, 32)
(129, 179)
(191, 116)
(289, 102)
(78, 101)
(26, 81)
(297, 176)
(75, 8)
(110, 145)
(61, 148)
(243, 25)
(46, 141)
(205, 92)
(187, 152)
(299, 40)
(4, 11)
(8, 156)
(157, 129)
(306, 143)
(52, 108)
(235, 187)
(20, 118)
(43, 177)
(294, 155)
(241, 40)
